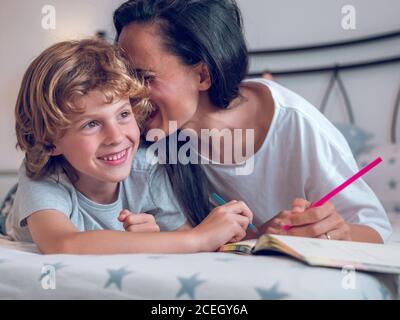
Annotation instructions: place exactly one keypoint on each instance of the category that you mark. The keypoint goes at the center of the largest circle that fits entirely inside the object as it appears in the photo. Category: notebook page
(354, 252)
(250, 243)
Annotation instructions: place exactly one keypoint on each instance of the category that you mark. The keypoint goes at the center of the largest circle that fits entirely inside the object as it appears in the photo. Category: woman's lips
(115, 159)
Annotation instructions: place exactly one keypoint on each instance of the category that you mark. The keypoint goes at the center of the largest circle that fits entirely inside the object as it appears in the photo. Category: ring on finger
(328, 236)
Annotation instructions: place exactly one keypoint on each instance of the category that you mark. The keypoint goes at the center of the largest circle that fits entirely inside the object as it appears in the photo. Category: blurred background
(370, 91)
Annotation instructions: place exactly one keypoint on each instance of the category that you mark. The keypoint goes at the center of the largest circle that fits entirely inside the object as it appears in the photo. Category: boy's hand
(226, 223)
(322, 222)
(138, 222)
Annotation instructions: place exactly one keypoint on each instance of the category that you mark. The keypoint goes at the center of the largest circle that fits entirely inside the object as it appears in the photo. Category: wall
(268, 24)
(286, 23)
(23, 38)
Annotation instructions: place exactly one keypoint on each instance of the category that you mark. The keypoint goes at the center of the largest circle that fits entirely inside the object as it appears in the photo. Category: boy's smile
(100, 144)
(115, 159)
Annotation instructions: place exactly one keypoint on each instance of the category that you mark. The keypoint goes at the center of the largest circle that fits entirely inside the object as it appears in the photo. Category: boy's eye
(90, 125)
(125, 114)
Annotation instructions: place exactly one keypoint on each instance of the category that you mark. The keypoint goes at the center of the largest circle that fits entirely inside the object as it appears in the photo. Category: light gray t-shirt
(147, 189)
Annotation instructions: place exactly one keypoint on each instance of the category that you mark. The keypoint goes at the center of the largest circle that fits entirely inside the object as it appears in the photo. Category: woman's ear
(204, 76)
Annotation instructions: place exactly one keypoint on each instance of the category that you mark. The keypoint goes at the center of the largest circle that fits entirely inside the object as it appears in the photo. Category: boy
(75, 121)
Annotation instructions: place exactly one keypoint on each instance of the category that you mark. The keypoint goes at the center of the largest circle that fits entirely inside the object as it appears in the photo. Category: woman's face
(174, 86)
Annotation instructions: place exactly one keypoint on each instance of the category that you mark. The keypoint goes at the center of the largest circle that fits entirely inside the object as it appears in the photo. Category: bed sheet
(27, 274)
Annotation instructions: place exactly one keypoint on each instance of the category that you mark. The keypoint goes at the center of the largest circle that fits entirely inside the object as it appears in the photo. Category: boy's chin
(113, 174)
(115, 178)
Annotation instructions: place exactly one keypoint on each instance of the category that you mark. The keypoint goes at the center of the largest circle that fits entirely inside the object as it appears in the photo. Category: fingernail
(298, 209)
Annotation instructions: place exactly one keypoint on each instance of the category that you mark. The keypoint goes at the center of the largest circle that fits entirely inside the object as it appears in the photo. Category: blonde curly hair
(50, 87)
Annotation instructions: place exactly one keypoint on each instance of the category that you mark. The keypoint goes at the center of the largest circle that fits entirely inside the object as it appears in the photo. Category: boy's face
(101, 143)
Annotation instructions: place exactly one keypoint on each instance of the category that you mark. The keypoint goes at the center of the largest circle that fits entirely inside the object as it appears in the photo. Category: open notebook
(326, 253)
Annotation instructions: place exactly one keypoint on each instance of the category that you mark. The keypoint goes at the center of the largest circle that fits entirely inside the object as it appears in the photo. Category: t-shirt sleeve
(168, 213)
(329, 163)
(33, 196)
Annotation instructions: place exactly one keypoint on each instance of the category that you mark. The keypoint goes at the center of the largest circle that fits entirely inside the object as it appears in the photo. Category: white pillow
(357, 138)
(395, 222)
(5, 207)
(385, 178)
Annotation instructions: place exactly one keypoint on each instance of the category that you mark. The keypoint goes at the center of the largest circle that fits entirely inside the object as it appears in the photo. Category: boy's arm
(54, 233)
(185, 227)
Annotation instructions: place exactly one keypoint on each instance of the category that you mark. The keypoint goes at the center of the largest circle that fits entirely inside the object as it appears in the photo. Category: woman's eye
(147, 76)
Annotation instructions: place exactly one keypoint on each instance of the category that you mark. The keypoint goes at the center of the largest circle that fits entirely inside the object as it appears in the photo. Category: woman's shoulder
(282, 104)
(295, 113)
(293, 105)
(283, 97)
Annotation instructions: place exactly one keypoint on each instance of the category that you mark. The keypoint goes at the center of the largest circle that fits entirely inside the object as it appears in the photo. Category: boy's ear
(56, 151)
(204, 76)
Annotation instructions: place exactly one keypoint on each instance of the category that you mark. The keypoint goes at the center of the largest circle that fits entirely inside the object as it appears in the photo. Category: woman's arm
(54, 233)
(319, 222)
(364, 234)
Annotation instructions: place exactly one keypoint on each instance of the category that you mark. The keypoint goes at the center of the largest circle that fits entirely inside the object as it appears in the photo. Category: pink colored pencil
(347, 183)
(342, 186)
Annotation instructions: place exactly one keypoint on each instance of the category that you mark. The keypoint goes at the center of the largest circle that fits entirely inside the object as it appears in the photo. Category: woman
(193, 55)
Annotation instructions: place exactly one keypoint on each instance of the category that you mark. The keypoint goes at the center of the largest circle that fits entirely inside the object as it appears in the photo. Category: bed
(394, 218)
(27, 274)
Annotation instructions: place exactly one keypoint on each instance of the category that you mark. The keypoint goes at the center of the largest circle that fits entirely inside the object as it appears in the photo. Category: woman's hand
(226, 223)
(138, 222)
(320, 222)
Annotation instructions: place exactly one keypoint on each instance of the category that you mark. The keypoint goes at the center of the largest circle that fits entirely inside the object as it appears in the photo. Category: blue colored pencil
(221, 202)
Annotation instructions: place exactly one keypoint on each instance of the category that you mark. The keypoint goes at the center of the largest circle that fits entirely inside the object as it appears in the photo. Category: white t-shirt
(302, 156)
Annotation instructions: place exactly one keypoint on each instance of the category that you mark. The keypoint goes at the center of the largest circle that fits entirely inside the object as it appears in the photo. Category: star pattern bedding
(26, 274)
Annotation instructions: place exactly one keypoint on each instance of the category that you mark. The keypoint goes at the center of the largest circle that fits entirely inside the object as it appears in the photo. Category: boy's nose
(113, 135)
